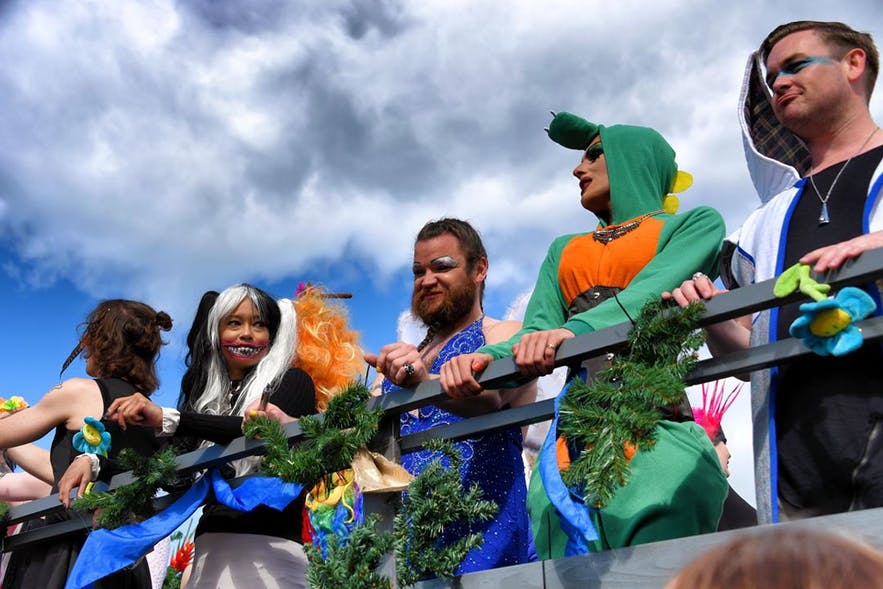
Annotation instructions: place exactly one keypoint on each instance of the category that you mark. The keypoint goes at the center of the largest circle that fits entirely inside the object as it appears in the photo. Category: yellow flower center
(829, 322)
(92, 435)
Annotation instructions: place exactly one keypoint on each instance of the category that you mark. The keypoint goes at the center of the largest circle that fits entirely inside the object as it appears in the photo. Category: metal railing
(640, 566)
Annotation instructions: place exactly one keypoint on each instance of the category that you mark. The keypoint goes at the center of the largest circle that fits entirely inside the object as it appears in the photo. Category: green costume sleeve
(688, 243)
(546, 308)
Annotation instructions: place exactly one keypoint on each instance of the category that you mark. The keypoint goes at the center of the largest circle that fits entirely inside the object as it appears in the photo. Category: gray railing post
(386, 505)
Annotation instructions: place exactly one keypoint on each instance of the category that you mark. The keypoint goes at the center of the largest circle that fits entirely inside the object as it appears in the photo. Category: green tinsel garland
(434, 501)
(330, 443)
(132, 502)
(619, 410)
(353, 564)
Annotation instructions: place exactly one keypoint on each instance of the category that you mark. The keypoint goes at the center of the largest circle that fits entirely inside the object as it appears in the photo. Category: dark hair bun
(163, 321)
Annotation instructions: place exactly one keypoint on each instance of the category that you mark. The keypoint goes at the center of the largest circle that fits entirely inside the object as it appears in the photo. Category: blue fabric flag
(107, 551)
(575, 517)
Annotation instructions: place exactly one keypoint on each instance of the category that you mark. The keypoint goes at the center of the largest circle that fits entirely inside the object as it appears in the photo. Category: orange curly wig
(327, 349)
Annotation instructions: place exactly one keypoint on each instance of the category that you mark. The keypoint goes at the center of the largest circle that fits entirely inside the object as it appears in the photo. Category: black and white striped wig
(211, 392)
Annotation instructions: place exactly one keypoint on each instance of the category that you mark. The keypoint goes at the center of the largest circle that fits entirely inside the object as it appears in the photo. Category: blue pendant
(823, 215)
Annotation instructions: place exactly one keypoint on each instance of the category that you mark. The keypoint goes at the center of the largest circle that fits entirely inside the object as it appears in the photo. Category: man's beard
(456, 303)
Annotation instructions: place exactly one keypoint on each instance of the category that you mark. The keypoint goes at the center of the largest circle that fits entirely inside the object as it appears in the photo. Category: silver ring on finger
(409, 369)
(698, 275)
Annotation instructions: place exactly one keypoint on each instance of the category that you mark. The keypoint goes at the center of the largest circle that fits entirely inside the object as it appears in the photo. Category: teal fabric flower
(92, 438)
(827, 326)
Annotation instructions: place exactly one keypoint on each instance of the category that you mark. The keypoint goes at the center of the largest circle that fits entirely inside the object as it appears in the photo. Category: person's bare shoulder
(497, 330)
(73, 386)
(70, 393)
(69, 387)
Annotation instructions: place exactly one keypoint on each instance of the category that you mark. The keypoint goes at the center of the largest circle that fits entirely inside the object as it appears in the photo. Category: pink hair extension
(714, 405)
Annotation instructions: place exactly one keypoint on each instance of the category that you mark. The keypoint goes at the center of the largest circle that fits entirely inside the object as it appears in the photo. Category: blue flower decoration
(92, 438)
(826, 327)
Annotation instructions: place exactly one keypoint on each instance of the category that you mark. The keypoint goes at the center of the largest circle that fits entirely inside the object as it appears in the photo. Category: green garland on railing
(617, 412)
(330, 443)
(132, 502)
(353, 563)
(434, 501)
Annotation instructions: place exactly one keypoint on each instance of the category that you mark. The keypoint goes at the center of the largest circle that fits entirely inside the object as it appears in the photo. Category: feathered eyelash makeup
(594, 151)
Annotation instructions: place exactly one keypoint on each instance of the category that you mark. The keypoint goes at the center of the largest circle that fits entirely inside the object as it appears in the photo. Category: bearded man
(450, 266)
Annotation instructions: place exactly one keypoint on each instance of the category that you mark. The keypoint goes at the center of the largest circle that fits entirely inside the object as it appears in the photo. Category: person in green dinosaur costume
(589, 281)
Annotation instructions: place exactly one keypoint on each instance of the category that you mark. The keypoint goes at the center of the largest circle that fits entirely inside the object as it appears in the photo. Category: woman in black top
(121, 342)
(240, 344)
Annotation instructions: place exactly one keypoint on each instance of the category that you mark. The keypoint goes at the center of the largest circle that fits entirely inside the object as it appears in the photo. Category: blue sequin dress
(492, 460)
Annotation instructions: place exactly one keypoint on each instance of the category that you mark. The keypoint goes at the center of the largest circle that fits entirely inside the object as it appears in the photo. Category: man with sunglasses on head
(450, 266)
(593, 280)
(814, 154)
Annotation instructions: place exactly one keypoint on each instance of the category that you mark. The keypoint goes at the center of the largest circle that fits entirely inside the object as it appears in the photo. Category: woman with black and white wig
(240, 344)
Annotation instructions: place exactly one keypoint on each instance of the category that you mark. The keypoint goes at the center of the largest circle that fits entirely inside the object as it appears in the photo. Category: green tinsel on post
(618, 411)
(330, 443)
(434, 501)
(351, 565)
(132, 502)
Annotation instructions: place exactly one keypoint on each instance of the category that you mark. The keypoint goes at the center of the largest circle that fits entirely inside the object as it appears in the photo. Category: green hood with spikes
(640, 162)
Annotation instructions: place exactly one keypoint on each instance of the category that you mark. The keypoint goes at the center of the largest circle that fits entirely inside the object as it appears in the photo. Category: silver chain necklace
(824, 219)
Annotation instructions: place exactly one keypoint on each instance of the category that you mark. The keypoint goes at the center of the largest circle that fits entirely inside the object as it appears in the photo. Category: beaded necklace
(608, 234)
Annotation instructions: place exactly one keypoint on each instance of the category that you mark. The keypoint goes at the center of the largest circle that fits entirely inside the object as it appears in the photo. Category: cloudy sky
(156, 149)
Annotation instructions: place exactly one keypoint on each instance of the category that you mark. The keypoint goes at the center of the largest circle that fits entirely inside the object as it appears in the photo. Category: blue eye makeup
(797, 66)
